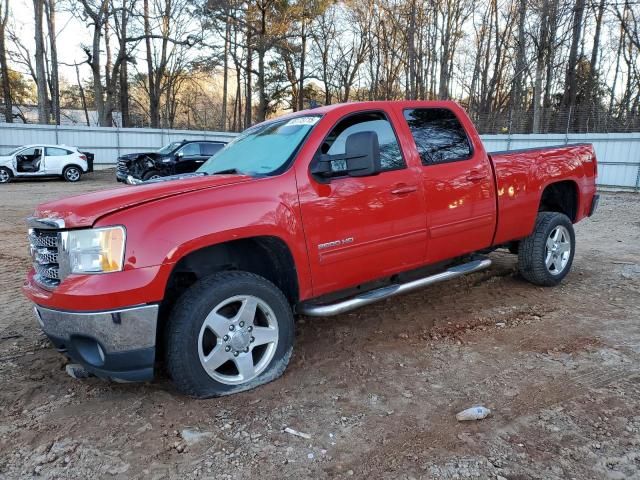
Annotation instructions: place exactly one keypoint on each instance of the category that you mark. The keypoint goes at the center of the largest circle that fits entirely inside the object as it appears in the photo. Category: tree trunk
(108, 71)
(303, 54)
(124, 72)
(262, 47)
(41, 78)
(225, 77)
(248, 114)
(411, 52)
(550, 60)
(616, 73)
(518, 78)
(571, 88)
(541, 54)
(4, 66)
(55, 82)
(154, 103)
(82, 97)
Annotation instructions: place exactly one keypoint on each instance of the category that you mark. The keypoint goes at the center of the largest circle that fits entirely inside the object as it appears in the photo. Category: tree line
(516, 65)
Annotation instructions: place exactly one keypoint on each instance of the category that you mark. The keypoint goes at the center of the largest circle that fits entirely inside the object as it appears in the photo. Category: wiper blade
(229, 171)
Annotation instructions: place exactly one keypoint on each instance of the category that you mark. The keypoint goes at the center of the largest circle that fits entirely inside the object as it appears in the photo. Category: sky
(71, 34)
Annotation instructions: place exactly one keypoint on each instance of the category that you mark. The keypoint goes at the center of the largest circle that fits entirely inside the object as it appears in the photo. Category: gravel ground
(376, 390)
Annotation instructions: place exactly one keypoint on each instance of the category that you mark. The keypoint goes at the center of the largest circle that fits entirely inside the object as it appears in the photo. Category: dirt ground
(377, 390)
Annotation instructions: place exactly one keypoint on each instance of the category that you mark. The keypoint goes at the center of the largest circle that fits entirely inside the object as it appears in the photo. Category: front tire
(72, 174)
(5, 175)
(230, 332)
(545, 256)
(151, 175)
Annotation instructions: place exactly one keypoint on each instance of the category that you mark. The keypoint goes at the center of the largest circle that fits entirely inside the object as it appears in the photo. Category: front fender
(164, 231)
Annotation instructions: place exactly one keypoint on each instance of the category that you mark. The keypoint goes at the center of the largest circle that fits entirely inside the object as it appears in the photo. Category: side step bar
(328, 310)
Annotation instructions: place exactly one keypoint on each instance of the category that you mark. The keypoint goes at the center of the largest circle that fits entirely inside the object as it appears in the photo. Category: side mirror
(362, 153)
(180, 154)
(362, 157)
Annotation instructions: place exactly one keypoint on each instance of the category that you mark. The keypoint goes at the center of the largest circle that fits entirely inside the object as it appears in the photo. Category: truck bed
(522, 175)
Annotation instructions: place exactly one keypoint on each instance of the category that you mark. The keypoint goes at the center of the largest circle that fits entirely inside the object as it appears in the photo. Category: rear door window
(56, 152)
(209, 149)
(438, 134)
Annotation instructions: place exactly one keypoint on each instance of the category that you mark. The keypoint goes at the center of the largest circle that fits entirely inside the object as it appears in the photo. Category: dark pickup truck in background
(174, 158)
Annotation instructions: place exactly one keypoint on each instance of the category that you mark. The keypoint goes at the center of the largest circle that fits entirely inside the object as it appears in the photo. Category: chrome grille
(45, 256)
(44, 245)
(122, 166)
(49, 240)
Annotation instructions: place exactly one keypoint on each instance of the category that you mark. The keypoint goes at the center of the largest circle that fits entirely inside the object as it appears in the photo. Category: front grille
(44, 246)
(122, 166)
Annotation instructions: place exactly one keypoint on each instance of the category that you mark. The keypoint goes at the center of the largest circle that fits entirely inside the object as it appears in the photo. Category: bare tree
(4, 65)
(41, 79)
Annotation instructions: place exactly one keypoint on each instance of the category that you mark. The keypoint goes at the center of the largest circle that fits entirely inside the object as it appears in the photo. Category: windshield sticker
(303, 121)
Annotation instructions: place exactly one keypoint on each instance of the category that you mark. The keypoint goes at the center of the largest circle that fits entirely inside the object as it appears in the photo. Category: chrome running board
(328, 310)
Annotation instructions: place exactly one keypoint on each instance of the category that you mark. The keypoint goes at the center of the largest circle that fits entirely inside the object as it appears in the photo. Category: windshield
(263, 149)
(169, 148)
(15, 150)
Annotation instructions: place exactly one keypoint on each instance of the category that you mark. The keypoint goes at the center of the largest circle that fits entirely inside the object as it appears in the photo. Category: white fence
(618, 153)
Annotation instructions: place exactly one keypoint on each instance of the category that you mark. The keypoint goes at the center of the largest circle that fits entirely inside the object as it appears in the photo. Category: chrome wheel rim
(238, 339)
(73, 174)
(557, 250)
(153, 177)
(4, 176)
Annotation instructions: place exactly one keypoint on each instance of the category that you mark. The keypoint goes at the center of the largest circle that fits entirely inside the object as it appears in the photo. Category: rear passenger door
(55, 159)
(458, 184)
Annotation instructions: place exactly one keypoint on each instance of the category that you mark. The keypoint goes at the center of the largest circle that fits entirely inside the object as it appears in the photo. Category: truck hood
(84, 210)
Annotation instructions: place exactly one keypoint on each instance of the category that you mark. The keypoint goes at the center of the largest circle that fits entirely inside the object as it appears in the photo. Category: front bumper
(121, 176)
(118, 344)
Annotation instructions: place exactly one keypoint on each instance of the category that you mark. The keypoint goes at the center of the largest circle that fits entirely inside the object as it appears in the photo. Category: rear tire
(230, 332)
(5, 175)
(72, 174)
(545, 256)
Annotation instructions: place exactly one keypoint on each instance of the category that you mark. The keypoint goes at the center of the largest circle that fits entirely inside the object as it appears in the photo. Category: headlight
(94, 250)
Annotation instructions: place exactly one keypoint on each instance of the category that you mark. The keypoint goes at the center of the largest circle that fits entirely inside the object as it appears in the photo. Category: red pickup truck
(315, 213)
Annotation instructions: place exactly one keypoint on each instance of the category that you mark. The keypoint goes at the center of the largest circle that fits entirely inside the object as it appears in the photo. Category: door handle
(476, 176)
(404, 189)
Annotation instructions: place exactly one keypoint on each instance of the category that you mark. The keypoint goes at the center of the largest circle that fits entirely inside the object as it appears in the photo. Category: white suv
(43, 161)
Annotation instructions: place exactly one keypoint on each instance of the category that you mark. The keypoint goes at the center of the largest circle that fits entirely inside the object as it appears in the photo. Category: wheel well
(73, 165)
(560, 197)
(266, 256)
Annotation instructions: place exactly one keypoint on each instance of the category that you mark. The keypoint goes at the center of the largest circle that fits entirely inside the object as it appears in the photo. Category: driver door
(30, 161)
(362, 228)
(187, 158)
